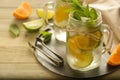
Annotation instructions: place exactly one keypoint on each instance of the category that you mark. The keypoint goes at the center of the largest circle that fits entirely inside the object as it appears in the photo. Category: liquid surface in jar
(81, 48)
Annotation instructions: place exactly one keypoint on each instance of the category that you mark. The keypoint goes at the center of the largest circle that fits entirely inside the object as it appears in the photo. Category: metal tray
(65, 70)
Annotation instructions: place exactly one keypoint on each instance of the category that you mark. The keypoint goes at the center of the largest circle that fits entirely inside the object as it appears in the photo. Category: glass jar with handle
(85, 42)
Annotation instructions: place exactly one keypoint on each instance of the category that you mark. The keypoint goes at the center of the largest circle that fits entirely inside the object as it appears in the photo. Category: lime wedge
(40, 13)
(33, 25)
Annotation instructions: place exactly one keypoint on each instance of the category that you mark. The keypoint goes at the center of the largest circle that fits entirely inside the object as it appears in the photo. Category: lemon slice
(40, 13)
(96, 40)
(85, 42)
(33, 25)
(85, 59)
(82, 57)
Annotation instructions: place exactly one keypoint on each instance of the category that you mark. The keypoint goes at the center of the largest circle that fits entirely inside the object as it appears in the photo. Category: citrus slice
(95, 39)
(114, 58)
(86, 57)
(85, 41)
(33, 25)
(40, 13)
(82, 57)
(23, 11)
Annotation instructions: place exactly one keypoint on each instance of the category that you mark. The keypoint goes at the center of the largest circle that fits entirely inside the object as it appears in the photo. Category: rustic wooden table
(17, 60)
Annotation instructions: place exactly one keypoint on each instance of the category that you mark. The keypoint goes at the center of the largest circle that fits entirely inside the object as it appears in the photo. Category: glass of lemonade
(60, 19)
(85, 43)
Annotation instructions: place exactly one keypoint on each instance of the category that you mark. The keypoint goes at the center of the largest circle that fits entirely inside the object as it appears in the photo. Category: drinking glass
(60, 18)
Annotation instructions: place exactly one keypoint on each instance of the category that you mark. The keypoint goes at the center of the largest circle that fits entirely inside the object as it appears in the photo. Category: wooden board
(16, 58)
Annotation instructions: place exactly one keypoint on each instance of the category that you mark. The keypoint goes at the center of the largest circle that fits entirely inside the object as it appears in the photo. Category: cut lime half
(33, 25)
(40, 13)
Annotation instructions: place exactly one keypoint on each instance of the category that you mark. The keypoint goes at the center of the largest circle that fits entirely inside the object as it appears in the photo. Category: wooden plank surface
(16, 58)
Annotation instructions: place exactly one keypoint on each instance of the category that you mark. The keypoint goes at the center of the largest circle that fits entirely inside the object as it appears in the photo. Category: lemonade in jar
(85, 37)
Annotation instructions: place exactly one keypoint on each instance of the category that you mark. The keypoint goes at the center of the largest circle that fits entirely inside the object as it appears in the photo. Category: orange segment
(27, 6)
(23, 11)
(114, 58)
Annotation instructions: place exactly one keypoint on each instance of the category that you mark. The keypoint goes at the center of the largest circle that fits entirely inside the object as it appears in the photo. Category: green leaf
(80, 11)
(86, 11)
(76, 15)
(67, 0)
(77, 4)
(46, 36)
(93, 14)
(14, 30)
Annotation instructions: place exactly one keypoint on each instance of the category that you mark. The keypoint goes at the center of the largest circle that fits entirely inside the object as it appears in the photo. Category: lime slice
(33, 25)
(40, 13)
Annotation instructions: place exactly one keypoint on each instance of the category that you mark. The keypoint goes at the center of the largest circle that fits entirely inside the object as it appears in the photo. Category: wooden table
(17, 60)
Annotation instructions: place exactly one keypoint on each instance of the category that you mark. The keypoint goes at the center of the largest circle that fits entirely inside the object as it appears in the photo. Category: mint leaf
(80, 11)
(93, 14)
(86, 11)
(46, 36)
(76, 15)
(66, 0)
(77, 4)
(14, 30)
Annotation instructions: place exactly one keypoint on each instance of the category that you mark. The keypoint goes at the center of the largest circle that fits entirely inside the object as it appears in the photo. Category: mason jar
(85, 42)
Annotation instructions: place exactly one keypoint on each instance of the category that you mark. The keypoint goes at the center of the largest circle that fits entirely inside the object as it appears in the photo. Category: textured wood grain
(16, 58)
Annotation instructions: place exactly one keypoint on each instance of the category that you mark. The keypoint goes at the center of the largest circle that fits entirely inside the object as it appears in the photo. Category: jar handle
(48, 6)
(108, 44)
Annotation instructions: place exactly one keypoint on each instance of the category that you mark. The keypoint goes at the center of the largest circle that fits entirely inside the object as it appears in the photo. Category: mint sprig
(80, 11)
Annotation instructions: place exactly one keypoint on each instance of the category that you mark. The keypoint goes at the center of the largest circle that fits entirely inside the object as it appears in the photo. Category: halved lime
(33, 25)
(40, 13)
